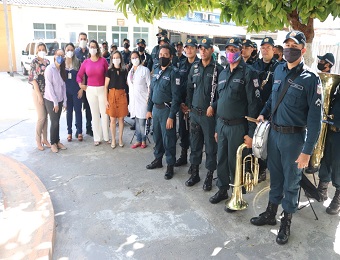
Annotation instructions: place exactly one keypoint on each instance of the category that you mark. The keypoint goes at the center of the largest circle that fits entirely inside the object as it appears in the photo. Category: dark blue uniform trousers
(330, 163)
(283, 150)
(202, 131)
(229, 138)
(165, 139)
(183, 132)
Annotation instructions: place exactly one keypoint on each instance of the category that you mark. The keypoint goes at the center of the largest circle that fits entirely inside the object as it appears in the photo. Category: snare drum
(260, 140)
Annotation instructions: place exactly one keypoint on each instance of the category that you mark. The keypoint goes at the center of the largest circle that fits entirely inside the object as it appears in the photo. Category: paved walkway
(108, 206)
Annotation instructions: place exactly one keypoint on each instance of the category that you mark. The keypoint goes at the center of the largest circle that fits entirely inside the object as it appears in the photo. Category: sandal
(109, 141)
(69, 138)
(80, 137)
(96, 143)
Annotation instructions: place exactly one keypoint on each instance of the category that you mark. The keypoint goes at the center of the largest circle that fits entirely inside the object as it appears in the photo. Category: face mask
(93, 51)
(233, 57)
(321, 66)
(276, 56)
(82, 44)
(59, 60)
(164, 61)
(126, 45)
(291, 54)
(141, 48)
(135, 62)
(41, 54)
(116, 62)
(69, 54)
(253, 53)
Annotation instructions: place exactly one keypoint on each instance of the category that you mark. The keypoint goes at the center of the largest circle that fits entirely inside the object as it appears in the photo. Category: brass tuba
(243, 179)
(329, 83)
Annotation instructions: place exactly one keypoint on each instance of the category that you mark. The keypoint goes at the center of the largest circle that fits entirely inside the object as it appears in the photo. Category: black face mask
(291, 54)
(126, 45)
(276, 56)
(141, 48)
(253, 53)
(164, 61)
(321, 66)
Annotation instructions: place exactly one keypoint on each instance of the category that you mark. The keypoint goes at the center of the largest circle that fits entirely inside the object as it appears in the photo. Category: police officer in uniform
(265, 68)
(179, 49)
(163, 104)
(155, 50)
(238, 95)
(326, 62)
(247, 50)
(146, 59)
(289, 145)
(202, 119)
(162, 40)
(126, 52)
(190, 49)
(278, 53)
(255, 53)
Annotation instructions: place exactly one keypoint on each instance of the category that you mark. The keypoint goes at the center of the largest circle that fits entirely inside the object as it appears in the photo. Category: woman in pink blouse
(95, 68)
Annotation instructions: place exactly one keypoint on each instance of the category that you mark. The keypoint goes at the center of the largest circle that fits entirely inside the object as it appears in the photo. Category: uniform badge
(266, 40)
(318, 102)
(160, 30)
(195, 70)
(231, 41)
(178, 81)
(319, 89)
(244, 41)
(257, 93)
(140, 40)
(189, 40)
(204, 40)
(196, 66)
(256, 83)
(292, 34)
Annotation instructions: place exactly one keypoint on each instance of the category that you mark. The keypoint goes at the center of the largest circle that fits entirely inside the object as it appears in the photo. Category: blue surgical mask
(59, 60)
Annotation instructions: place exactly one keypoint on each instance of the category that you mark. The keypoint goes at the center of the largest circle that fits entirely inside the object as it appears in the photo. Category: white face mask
(135, 61)
(116, 62)
(69, 54)
(41, 54)
(82, 44)
(93, 51)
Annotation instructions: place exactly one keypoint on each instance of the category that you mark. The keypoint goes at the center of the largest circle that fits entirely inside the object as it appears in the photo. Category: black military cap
(164, 39)
(162, 32)
(235, 42)
(206, 43)
(268, 40)
(104, 42)
(328, 57)
(254, 45)
(140, 41)
(247, 43)
(297, 36)
(191, 42)
(178, 43)
(113, 45)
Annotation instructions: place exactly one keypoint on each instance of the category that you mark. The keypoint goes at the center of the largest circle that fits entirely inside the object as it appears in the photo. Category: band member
(326, 62)
(202, 76)
(190, 49)
(265, 68)
(289, 145)
(238, 95)
(278, 53)
(247, 50)
(163, 104)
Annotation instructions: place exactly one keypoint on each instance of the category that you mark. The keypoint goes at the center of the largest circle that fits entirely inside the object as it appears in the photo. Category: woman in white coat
(139, 82)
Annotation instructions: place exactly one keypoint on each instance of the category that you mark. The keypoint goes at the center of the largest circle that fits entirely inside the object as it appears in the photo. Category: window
(141, 33)
(97, 32)
(44, 31)
(119, 33)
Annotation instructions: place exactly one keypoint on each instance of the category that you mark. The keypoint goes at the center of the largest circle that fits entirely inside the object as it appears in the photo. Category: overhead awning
(202, 29)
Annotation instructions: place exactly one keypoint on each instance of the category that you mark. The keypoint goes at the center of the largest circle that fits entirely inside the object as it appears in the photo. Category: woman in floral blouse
(37, 80)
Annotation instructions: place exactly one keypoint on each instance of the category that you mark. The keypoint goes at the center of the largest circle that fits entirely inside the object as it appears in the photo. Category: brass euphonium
(243, 179)
(329, 83)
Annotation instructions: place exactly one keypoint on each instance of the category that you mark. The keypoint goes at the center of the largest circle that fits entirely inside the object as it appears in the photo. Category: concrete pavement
(108, 206)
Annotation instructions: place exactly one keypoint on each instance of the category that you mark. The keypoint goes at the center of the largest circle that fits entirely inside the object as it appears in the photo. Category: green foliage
(257, 15)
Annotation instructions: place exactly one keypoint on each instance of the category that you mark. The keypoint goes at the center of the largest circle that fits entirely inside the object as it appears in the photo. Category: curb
(27, 220)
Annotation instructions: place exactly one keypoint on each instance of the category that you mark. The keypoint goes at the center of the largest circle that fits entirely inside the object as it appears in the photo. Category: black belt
(163, 105)
(335, 129)
(288, 129)
(237, 121)
(198, 111)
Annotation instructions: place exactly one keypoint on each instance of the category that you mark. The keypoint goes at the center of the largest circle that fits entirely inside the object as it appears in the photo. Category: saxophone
(329, 83)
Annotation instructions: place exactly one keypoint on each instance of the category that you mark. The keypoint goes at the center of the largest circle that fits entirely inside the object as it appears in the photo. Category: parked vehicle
(29, 53)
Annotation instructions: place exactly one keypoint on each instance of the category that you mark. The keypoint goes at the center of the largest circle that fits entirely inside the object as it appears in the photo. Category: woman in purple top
(95, 68)
(37, 80)
(55, 96)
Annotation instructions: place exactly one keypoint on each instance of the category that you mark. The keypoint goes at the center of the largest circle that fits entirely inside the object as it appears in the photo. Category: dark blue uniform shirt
(165, 88)
(184, 69)
(81, 56)
(301, 105)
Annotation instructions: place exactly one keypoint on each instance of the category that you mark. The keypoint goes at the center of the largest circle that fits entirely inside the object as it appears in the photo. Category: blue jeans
(140, 130)
(73, 103)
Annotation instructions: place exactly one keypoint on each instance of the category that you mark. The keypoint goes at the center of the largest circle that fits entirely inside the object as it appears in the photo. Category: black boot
(284, 232)
(195, 177)
(182, 160)
(190, 169)
(169, 172)
(322, 191)
(208, 181)
(267, 217)
(334, 207)
(262, 175)
(222, 194)
(157, 163)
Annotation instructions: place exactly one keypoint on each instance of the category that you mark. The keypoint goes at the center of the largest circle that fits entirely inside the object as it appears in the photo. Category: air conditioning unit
(191, 15)
(212, 18)
(205, 17)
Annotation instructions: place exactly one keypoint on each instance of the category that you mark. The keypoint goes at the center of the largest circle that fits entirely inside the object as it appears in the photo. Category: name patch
(277, 81)
(166, 78)
(238, 81)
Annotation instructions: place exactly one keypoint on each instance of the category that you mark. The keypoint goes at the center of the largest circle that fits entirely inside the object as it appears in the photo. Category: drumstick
(251, 119)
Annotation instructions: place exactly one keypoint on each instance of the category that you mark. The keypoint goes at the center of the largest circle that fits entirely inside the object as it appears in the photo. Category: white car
(29, 53)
